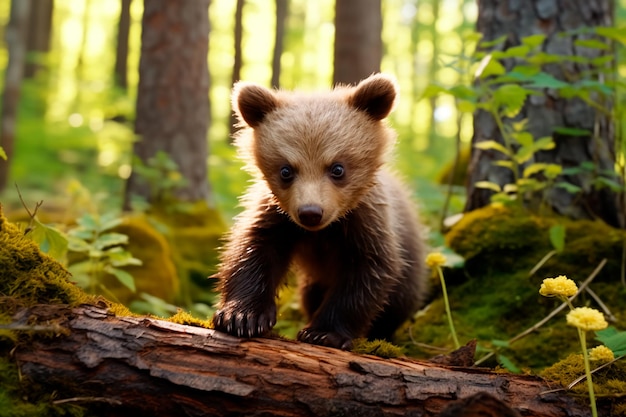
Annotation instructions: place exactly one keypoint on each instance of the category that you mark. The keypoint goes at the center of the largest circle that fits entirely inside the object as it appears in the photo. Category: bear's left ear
(375, 96)
(252, 102)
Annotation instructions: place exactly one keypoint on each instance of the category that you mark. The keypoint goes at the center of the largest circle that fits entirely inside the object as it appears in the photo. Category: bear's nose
(310, 215)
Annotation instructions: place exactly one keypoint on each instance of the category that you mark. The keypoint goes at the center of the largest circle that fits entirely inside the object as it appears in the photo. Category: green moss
(157, 274)
(609, 383)
(30, 275)
(379, 348)
(183, 317)
(194, 232)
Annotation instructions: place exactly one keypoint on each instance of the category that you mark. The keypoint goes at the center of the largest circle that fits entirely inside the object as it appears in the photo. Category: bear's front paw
(243, 321)
(323, 338)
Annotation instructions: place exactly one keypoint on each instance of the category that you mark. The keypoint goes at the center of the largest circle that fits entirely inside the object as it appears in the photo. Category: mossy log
(143, 366)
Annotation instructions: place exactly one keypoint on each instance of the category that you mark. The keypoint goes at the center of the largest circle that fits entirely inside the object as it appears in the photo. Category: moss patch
(493, 298)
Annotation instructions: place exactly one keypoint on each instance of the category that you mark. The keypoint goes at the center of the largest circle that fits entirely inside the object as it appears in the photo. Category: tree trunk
(121, 51)
(40, 28)
(516, 20)
(172, 97)
(238, 59)
(279, 40)
(16, 40)
(358, 41)
(145, 367)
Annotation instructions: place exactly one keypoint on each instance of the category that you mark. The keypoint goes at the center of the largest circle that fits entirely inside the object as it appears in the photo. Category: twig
(552, 314)
(542, 262)
(583, 377)
(31, 215)
(88, 399)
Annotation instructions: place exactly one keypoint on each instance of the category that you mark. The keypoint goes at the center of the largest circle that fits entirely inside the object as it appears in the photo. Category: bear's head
(319, 153)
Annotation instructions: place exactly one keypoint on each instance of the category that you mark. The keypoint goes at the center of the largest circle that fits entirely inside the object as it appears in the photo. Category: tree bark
(279, 40)
(238, 58)
(121, 50)
(172, 97)
(40, 28)
(516, 20)
(16, 40)
(358, 40)
(146, 367)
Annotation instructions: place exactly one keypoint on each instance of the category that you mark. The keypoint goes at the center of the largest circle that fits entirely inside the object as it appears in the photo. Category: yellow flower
(601, 354)
(560, 285)
(586, 318)
(435, 259)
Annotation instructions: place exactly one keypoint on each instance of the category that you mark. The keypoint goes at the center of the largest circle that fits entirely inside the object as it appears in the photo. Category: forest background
(75, 127)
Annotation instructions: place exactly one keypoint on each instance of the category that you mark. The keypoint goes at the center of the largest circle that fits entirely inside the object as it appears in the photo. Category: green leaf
(123, 277)
(508, 364)
(545, 80)
(572, 131)
(609, 183)
(500, 343)
(544, 144)
(533, 40)
(613, 33)
(557, 237)
(569, 187)
(512, 52)
(494, 42)
(433, 90)
(511, 98)
(534, 169)
(592, 43)
(489, 67)
(524, 138)
(486, 145)
(110, 239)
(3, 154)
(488, 185)
(88, 222)
(50, 239)
(465, 106)
(76, 244)
(119, 257)
(463, 92)
(613, 339)
(505, 164)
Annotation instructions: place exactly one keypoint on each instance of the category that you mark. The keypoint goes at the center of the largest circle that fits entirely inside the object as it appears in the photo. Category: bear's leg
(254, 262)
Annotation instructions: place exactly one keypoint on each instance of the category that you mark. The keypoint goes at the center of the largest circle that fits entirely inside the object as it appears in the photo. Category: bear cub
(321, 202)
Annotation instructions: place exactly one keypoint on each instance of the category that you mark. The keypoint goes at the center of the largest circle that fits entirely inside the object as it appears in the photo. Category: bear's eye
(337, 171)
(286, 173)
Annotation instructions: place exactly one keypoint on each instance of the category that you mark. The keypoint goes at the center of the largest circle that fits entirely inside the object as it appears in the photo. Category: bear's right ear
(252, 102)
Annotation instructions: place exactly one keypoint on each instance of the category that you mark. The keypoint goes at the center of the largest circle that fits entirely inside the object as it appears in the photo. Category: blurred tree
(172, 98)
(281, 17)
(238, 60)
(39, 30)
(358, 41)
(515, 20)
(16, 36)
(121, 51)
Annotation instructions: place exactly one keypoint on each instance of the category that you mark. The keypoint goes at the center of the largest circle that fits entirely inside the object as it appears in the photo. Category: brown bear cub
(321, 202)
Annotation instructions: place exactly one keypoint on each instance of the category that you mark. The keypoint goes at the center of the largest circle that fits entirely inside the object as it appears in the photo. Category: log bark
(152, 367)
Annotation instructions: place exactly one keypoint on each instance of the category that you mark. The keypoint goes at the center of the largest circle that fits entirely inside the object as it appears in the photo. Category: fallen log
(148, 367)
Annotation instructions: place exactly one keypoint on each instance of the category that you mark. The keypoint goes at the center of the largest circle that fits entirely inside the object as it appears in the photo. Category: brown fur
(324, 203)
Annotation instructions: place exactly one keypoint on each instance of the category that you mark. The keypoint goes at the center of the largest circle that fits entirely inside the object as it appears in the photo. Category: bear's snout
(310, 215)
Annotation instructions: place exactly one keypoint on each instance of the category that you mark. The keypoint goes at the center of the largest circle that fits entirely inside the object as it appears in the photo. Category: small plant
(162, 176)
(503, 92)
(435, 261)
(104, 251)
(583, 318)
